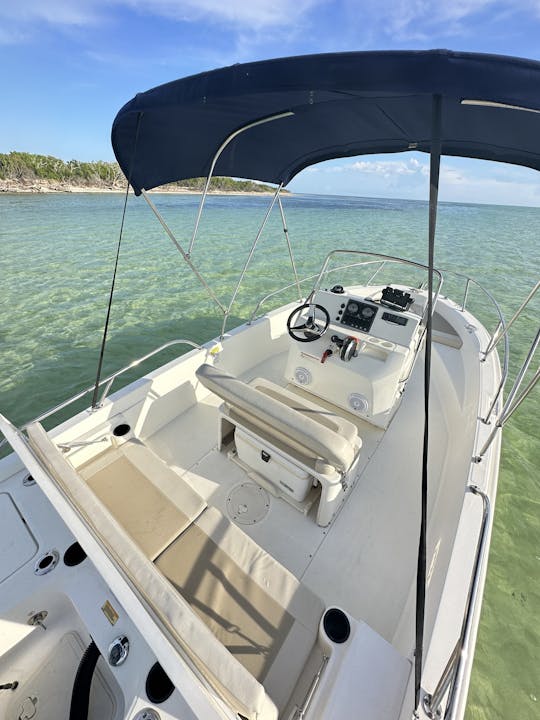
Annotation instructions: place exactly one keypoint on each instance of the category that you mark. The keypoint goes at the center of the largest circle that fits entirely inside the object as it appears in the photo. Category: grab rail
(306, 279)
(453, 673)
(514, 399)
(108, 381)
(385, 259)
(501, 331)
(382, 260)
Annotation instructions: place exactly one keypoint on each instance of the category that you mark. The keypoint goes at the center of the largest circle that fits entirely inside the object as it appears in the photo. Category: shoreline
(44, 187)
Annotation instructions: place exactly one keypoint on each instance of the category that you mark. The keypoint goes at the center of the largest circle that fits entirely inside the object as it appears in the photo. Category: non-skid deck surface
(288, 535)
(365, 561)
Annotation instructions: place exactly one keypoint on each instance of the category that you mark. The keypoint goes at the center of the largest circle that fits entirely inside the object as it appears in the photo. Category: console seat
(313, 439)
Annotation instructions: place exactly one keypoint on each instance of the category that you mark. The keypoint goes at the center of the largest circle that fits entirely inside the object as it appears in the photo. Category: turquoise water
(57, 258)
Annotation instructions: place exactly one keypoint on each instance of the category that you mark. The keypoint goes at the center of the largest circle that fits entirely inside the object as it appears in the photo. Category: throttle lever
(326, 354)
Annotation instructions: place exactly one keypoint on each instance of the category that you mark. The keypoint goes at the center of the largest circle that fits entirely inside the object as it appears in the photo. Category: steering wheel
(314, 325)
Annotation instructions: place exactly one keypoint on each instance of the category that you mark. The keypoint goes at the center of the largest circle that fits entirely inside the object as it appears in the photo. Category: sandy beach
(46, 186)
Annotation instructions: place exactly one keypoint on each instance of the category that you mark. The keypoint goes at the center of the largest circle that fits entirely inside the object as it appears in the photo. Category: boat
(291, 520)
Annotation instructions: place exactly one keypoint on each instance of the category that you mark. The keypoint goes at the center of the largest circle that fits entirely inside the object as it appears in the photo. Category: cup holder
(121, 430)
(336, 625)
(74, 555)
(158, 685)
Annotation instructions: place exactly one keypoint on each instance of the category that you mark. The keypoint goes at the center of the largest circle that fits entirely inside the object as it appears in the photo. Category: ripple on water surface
(57, 258)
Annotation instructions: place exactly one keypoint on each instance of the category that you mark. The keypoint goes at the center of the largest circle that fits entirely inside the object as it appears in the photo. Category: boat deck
(376, 530)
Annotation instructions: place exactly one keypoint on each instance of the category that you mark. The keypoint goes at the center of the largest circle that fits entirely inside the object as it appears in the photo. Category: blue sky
(67, 66)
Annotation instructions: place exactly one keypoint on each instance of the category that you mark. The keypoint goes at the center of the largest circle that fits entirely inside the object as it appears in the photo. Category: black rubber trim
(80, 696)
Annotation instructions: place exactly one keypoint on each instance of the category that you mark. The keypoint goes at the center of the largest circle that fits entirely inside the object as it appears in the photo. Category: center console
(363, 360)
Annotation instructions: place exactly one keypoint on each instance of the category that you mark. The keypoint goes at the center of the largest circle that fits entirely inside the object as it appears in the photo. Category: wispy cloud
(315, 25)
(405, 21)
(53, 12)
(383, 168)
(391, 168)
(239, 13)
(460, 180)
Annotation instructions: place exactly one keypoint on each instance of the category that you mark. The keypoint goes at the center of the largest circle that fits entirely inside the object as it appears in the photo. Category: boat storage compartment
(285, 475)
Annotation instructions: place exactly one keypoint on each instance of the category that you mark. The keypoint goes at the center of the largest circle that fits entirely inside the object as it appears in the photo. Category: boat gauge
(359, 315)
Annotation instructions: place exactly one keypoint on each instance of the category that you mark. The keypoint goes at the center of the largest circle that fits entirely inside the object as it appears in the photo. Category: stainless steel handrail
(502, 327)
(306, 279)
(108, 381)
(453, 674)
(498, 334)
(514, 400)
(385, 258)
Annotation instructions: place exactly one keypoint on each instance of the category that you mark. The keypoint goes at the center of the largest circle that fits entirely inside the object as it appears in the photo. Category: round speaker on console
(358, 403)
(302, 376)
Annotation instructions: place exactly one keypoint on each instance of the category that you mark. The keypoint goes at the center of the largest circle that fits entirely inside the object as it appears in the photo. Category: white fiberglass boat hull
(362, 562)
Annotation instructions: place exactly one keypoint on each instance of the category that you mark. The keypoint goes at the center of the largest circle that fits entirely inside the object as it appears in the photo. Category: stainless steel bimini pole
(182, 251)
(220, 149)
(286, 231)
(248, 260)
(187, 255)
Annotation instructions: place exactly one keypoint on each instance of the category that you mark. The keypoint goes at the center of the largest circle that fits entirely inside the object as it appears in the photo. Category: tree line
(26, 168)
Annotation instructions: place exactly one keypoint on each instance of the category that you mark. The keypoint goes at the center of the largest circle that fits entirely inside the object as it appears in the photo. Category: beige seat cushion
(177, 620)
(310, 408)
(257, 609)
(123, 479)
(278, 419)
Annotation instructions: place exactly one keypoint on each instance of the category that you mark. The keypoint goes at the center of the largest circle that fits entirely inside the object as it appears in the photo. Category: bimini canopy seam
(342, 105)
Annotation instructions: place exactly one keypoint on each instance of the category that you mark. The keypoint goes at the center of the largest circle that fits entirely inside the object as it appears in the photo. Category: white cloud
(243, 13)
(420, 20)
(53, 12)
(391, 168)
(383, 168)
(254, 14)
(461, 180)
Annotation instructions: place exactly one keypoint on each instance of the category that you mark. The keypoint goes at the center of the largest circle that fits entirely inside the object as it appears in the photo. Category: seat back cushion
(276, 416)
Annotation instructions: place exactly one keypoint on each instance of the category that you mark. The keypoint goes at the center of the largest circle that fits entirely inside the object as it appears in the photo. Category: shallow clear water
(57, 257)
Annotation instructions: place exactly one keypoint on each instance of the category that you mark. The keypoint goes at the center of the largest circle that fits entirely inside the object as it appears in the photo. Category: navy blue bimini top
(334, 105)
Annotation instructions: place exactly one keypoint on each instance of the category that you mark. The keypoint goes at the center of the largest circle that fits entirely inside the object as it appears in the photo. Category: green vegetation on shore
(25, 171)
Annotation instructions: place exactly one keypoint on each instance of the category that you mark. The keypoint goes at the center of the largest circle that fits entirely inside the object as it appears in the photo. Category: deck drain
(248, 503)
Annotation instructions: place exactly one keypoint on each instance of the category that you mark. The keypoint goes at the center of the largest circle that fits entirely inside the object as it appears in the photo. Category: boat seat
(310, 408)
(264, 616)
(124, 477)
(280, 416)
(237, 615)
